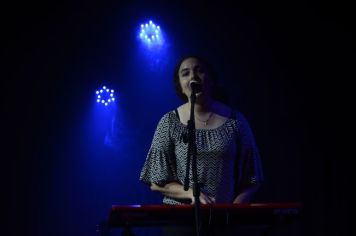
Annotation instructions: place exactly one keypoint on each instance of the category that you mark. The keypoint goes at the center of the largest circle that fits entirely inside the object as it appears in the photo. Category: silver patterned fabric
(227, 157)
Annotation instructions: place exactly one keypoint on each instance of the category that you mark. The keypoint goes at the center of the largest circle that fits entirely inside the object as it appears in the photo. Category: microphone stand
(192, 153)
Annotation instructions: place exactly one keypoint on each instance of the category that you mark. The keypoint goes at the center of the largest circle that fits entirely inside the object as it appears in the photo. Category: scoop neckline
(185, 126)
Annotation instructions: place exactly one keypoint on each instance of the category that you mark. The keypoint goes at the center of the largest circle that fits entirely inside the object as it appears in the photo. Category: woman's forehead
(190, 62)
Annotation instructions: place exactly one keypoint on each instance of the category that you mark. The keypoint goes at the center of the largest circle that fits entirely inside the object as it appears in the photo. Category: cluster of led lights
(105, 96)
(151, 33)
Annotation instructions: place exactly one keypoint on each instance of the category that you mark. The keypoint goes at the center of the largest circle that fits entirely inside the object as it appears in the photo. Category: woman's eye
(201, 71)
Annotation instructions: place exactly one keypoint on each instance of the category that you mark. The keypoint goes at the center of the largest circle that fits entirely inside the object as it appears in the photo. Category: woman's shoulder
(224, 110)
(231, 112)
(168, 116)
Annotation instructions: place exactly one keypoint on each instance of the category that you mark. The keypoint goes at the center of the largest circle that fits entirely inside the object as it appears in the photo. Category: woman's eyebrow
(184, 70)
(194, 68)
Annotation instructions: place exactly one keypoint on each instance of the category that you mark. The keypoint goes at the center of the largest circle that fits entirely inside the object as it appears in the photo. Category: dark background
(286, 66)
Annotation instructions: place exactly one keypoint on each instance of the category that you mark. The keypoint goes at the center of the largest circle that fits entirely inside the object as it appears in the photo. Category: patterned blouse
(227, 157)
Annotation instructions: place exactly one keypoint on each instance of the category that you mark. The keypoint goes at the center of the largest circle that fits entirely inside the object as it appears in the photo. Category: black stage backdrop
(286, 65)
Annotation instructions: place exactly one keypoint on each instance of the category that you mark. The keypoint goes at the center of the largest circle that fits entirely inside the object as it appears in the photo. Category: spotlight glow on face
(105, 96)
(151, 34)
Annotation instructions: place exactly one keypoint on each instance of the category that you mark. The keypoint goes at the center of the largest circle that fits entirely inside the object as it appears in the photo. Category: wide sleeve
(159, 166)
(249, 162)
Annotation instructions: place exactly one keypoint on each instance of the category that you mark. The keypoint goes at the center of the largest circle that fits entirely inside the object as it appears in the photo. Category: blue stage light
(151, 34)
(105, 96)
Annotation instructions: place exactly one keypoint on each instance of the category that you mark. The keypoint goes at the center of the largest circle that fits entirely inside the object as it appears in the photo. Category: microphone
(195, 86)
(184, 137)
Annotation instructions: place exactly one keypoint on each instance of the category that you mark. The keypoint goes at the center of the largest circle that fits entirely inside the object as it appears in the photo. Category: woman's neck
(203, 106)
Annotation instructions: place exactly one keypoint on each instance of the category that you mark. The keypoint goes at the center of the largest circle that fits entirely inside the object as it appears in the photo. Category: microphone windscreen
(195, 86)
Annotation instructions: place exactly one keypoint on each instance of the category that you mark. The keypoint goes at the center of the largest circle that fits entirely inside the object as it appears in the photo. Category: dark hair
(216, 90)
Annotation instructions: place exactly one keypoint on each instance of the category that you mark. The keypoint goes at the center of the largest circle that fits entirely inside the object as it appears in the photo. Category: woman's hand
(204, 199)
(176, 190)
(173, 190)
(246, 195)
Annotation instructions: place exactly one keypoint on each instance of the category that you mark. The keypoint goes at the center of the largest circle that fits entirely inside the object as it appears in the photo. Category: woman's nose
(195, 76)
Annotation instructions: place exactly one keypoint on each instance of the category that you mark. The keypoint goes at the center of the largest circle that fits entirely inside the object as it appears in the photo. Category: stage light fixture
(105, 96)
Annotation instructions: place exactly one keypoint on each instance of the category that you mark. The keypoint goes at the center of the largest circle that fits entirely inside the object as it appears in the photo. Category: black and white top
(227, 157)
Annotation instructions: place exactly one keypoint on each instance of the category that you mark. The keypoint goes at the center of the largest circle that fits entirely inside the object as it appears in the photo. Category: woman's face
(192, 69)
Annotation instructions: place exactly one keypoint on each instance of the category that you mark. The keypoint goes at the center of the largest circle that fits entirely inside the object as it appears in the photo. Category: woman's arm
(176, 190)
(173, 190)
(249, 164)
(246, 195)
